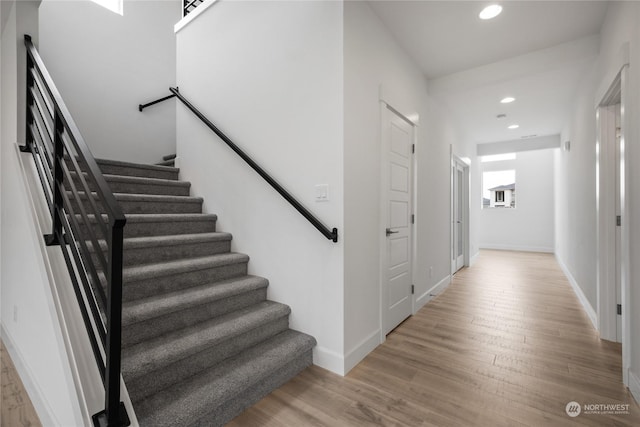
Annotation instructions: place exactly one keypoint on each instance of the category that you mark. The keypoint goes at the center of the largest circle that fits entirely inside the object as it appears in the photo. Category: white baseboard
(329, 360)
(634, 386)
(474, 258)
(435, 290)
(360, 351)
(40, 403)
(518, 248)
(578, 291)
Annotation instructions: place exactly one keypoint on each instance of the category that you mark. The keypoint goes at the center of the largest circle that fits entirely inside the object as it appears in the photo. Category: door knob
(389, 232)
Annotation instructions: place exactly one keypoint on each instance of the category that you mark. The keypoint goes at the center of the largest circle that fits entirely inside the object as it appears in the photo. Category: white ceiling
(536, 51)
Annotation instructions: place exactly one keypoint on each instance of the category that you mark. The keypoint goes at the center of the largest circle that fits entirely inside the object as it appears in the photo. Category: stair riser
(149, 207)
(160, 285)
(164, 228)
(233, 407)
(141, 172)
(138, 332)
(139, 256)
(138, 188)
(157, 380)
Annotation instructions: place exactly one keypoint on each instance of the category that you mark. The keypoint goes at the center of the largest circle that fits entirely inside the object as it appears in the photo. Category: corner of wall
(361, 350)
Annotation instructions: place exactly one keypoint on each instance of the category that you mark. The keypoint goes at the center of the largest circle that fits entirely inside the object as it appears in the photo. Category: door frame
(455, 161)
(386, 108)
(605, 203)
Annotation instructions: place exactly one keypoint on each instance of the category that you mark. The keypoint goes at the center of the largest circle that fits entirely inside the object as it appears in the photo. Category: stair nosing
(141, 197)
(136, 165)
(164, 217)
(168, 240)
(142, 180)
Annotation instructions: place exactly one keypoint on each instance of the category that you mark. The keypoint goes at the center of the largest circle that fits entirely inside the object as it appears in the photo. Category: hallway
(506, 344)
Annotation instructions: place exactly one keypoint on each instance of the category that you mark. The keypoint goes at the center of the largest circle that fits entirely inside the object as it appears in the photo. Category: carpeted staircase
(200, 341)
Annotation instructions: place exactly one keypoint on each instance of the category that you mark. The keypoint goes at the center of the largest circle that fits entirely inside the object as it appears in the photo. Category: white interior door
(618, 208)
(397, 190)
(457, 208)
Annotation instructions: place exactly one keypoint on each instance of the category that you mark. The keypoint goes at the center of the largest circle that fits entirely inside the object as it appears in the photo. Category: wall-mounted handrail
(157, 101)
(70, 176)
(329, 234)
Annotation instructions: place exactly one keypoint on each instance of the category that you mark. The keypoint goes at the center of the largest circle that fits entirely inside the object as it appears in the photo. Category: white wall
(575, 217)
(105, 65)
(29, 323)
(373, 59)
(576, 247)
(530, 226)
(271, 79)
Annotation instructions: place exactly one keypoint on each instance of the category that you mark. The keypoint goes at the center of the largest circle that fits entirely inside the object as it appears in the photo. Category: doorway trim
(413, 120)
(455, 160)
(614, 85)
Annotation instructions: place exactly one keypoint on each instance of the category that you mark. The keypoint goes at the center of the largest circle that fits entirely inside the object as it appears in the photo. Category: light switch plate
(322, 193)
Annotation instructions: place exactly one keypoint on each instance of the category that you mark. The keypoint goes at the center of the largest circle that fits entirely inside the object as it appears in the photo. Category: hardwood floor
(17, 409)
(507, 344)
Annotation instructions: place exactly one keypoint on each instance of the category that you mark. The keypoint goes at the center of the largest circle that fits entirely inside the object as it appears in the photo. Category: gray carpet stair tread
(148, 271)
(169, 348)
(167, 217)
(187, 402)
(166, 163)
(141, 180)
(159, 305)
(173, 217)
(152, 198)
(135, 165)
(167, 240)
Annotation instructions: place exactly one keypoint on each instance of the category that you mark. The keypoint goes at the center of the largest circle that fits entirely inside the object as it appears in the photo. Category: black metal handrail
(84, 213)
(329, 234)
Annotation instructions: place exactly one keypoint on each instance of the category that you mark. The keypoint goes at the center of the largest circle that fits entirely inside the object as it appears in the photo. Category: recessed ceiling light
(514, 126)
(507, 100)
(490, 11)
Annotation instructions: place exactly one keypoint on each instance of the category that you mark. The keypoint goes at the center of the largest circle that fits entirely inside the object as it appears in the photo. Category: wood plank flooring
(17, 409)
(507, 344)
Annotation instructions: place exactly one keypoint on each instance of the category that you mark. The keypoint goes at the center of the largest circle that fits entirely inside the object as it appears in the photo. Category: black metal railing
(189, 6)
(86, 219)
(329, 234)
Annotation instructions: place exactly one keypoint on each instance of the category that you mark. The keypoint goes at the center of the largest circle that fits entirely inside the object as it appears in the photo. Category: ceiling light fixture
(514, 126)
(490, 11)
(507, 100)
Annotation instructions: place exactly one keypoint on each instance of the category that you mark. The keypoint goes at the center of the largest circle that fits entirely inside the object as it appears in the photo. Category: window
(499, 189)
(112, 5)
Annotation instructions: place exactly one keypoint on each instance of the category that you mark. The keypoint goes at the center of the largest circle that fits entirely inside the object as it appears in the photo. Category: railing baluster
(26, 148)
(58, 158)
